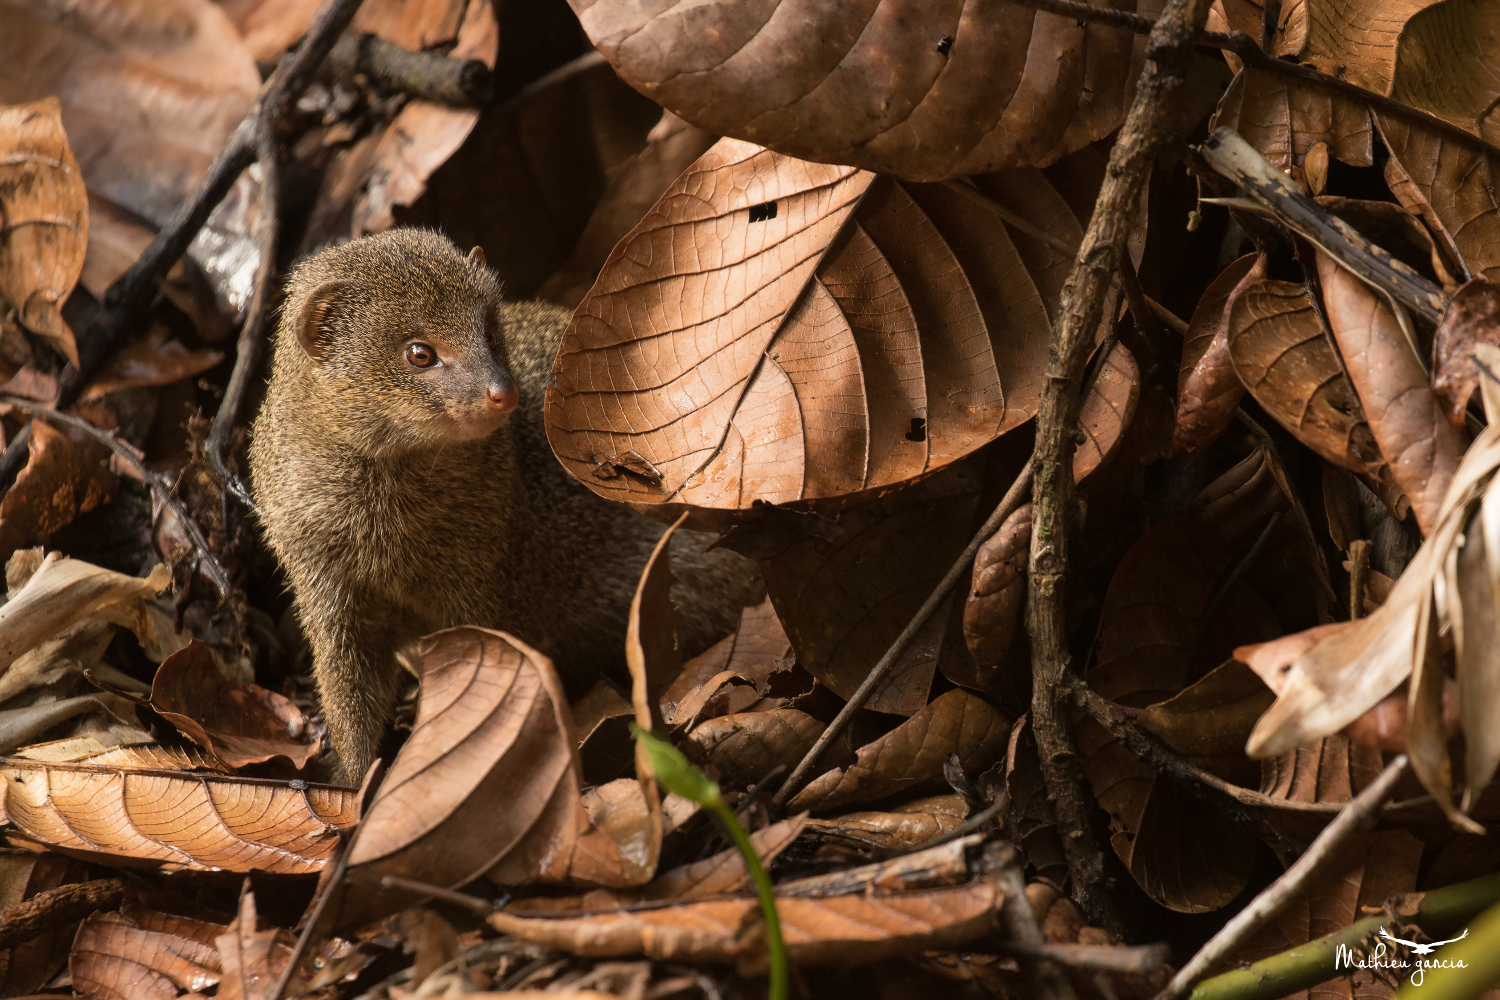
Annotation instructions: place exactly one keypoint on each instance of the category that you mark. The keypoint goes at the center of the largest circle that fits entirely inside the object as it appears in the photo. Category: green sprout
(675, 773)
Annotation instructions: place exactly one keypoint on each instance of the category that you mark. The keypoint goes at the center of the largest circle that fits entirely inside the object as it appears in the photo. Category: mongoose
(404, 480)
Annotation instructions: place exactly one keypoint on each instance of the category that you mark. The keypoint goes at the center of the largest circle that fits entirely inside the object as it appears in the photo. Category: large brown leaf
(1452, 186)
(910, 757)
(46, 213)
(1406, 417)
(1285, 119)
(1207, 388)
(782, 331)
(1445, 63)
(144, 953)
(176, 820)
(150, 90)
(961, 95)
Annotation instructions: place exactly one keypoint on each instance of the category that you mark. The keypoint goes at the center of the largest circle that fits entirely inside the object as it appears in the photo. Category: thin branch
(466, 83)
(158, 484)
(1150, 126)
(1258, 58)
(1356, 816)
(128, 298)
(1128, 959)
(1013, 499)
(1003, 863)
(57, 908)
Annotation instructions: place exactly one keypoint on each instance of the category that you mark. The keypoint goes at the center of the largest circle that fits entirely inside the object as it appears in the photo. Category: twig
(1356, 816)
(1359, 575)
(56, 908)
(157, 484)
(1137, 959)
(1003, 863)
(479, 907)
(1234, 158)
(1439, 911)
(1149, 126)
(128, 298)
(465, 83)
(1007, 506)
(1255, 57)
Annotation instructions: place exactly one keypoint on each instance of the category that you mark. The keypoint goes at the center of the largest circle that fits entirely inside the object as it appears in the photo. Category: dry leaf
(997, 593)
(1452, 187)
(1285, 120)
(1472, 317)
(251, 959)
(150, 90)
(961, 95)
(1281, 354)
(805, 367)
(28, 966)
(752, 652)
(238, 723)
(143, 953)
(746, 748)
(910, 757)
(46, 212)
(176, 820)
(1207, 388)
(67, 474)
(905, 826)
(1406, 417)
(151, 360)
(63, 591)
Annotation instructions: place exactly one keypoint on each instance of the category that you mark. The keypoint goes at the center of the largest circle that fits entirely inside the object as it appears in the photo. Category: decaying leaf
(832, 334)
(752, 652)
(745, 748)
(1472, 317)
(1285, 119)
(850, 85)
(1451, 186)
(997, 593)
(238, 723)
(152, 360)
(176, 820)
(28, 966)
(46, 213)
(910, 757)
(1406, 418)
(67, 473)
(144, 953)
(906, 825)
(1207, 388)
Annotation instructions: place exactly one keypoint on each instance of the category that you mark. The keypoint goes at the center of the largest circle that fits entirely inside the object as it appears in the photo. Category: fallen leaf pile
(816, 254)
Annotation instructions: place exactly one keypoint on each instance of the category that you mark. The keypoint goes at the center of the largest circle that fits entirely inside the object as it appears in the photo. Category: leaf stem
(767, 893)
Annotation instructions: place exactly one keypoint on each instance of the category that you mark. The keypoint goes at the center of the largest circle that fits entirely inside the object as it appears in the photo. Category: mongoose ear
(477, 255)
(311, 322)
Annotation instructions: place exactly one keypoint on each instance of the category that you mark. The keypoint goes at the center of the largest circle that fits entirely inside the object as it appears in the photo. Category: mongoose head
(398, 337)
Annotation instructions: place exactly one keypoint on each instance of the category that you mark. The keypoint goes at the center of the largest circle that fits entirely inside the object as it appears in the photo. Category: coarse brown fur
(401, 503)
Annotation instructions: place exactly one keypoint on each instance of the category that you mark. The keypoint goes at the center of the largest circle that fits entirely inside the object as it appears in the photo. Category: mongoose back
(405, 482)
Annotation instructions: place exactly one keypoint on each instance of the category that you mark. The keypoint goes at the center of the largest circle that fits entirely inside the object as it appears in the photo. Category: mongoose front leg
(359, 680)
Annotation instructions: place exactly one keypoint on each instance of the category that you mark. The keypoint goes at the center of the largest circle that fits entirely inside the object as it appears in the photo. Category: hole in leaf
(944, 44)
(760, 213)
(918, 430)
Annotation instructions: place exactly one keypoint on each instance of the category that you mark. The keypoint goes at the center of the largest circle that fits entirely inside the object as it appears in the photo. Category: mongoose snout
(404, 480)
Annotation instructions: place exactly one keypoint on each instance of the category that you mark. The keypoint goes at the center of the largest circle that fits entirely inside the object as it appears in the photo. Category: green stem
(767, 894)
(1439, 912)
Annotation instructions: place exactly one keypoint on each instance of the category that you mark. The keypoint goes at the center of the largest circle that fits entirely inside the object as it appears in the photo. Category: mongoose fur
(403, 496)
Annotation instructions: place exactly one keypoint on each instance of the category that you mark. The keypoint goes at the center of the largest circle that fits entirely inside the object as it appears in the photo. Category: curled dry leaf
(997, 593)
(67, 474)
(46, 213)
(488, 783)
(1472, 317)
(905, 826)
(144, 953)
(910, 757)
(151, 360)
(1406, 417)
(751, 652)
(144, 755)
(1208, 390)
(144, 82)
(1282, 355)
(176, 820)
(845, 85)
(790, 332)
(1445, 59)
(1285, 120)
(63, 591)
(238, 723)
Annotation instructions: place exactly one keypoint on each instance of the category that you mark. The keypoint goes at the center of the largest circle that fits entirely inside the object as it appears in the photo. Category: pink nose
(501, 399)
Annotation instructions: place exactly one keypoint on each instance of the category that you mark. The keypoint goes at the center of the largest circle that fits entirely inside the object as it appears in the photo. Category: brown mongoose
(403, 495)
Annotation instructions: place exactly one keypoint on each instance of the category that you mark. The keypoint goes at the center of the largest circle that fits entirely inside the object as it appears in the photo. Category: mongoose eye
(421, 356)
